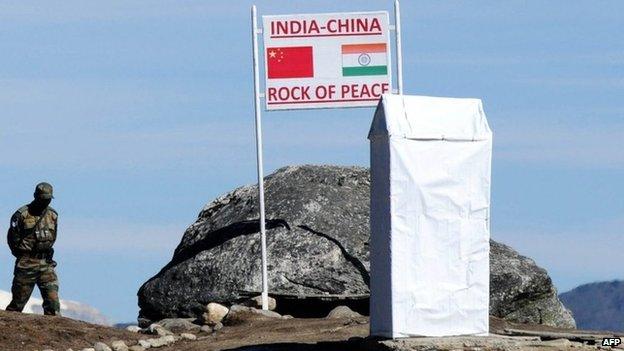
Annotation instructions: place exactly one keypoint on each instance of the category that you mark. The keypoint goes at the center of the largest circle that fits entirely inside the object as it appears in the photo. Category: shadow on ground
(320, 346)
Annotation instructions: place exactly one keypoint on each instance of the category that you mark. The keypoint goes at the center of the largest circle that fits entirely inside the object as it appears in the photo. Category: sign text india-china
(326, 60)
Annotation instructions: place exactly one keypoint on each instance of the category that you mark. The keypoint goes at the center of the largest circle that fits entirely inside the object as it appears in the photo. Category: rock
(206, 328)
(521, 291)
(217, 327)
(560, 344)
(145, 343)
(160, 331)
(178, 325)
(162, 341)
(214, 313)
(188, 336)
(318, 228)
(144, 322)
(241, 313)
(133, 328)
(88, 349)
(320, 234)
(100, 346)
(342, 312)
(151, 329)
(119, 345)
(169, 339)
(256, 302)
(136, 348)
(157, 329)
(267, 313)
(240, 309)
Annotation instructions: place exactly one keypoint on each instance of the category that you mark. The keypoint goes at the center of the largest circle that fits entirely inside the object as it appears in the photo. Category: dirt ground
(34, 332)
(20, 331)
(352, 335)
(279, 334)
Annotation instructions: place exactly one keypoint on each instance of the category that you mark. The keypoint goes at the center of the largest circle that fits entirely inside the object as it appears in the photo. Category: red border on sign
(322, 35)
(319, 101)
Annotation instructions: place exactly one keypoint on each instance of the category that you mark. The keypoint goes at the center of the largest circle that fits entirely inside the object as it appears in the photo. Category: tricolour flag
(290, 62)
(364, 60)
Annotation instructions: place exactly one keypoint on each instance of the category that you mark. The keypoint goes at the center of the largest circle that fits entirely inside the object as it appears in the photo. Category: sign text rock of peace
(326, 60)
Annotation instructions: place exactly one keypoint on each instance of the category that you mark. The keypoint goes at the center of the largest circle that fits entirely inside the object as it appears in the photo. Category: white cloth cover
(430, 201)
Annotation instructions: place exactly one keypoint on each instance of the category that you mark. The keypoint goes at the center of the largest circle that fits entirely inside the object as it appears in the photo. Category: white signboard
(326, 60)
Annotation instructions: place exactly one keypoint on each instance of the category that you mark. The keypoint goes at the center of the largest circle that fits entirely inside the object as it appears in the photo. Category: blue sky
(140, 112)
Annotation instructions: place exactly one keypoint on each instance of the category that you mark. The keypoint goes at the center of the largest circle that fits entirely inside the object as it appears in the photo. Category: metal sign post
(254, 35)
(365, 38)
(397, 29)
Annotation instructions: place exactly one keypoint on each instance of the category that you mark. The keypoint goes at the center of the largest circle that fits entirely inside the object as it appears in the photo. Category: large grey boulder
(317, 233)
(521, 291)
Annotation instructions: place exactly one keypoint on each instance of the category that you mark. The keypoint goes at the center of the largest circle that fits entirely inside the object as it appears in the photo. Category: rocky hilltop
(597, 305)
(318, 233)
(27, 331)
(253, 330)
(70, 309)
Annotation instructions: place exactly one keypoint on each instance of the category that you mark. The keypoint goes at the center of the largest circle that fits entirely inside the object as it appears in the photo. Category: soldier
(31, 235)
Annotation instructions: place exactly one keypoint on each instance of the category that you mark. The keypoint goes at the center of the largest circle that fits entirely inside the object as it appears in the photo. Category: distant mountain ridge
(597, 306)
(69, 309)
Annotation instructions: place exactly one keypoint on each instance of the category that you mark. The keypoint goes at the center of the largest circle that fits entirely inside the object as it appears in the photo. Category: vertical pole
(254, 35)
(397, 26)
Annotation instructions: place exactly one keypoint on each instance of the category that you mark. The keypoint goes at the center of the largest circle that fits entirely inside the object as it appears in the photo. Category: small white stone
(119, 345)
(179, 325)
(156, 343)
(342, 312)
(256, 302)
(162, 341)
(88, 349)
(215, 313)
(100, 346)
(188, 336)
(267, 313)
(144, 343)
(133, 328)
(170, 339)
(160, 331)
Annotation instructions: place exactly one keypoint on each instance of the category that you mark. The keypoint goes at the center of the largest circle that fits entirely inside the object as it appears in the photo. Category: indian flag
(364, 60)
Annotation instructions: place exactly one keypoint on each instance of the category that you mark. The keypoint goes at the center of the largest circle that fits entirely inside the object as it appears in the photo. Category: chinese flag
(290, 62)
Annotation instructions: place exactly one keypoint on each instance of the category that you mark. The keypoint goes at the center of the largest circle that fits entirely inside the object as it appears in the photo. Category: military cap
(43, 191)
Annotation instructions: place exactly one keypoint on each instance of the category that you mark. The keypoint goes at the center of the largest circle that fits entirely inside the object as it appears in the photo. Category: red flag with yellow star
(290, 62)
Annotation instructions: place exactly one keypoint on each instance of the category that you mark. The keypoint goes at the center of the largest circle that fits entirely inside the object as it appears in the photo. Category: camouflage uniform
(31, 238)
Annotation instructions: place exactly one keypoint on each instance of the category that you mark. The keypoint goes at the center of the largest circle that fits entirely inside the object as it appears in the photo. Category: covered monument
(430, 205)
